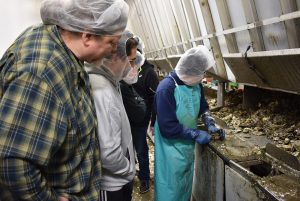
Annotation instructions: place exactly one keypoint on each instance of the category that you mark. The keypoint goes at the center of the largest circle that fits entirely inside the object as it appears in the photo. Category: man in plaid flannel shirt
(48, 142)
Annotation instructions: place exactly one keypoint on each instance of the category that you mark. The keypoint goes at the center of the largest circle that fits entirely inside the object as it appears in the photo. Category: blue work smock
(174, 157)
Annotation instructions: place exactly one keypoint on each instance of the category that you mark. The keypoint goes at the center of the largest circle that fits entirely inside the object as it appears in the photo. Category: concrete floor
(149, 196)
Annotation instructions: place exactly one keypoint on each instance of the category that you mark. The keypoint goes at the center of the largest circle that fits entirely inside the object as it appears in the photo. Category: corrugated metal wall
(170, 27)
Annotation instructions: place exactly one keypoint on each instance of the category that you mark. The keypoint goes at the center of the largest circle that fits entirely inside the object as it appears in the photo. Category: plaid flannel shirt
(48, 140)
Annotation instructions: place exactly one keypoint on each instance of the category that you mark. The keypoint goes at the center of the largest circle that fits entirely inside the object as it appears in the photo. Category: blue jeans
(139, 136)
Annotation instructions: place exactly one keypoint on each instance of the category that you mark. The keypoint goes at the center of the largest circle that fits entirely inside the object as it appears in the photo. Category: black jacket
(146, 87)
(134, 104)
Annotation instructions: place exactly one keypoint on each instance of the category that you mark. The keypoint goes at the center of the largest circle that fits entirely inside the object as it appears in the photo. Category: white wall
(15, 16)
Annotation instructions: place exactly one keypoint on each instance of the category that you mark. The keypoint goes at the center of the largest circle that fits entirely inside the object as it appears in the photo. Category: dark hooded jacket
(146, 87)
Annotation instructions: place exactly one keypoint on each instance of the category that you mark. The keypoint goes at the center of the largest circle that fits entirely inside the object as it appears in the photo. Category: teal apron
(174, 158)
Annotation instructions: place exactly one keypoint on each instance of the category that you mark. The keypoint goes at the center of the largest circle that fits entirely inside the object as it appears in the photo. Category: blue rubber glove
(203, 137)
(200, 136)
(214, 129)
(209, 122)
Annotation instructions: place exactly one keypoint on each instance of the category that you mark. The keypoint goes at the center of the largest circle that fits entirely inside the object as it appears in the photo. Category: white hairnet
(140, 59)
(127, 34)
(141, 44)
(194, 62)
(118, 63)
(99, 17)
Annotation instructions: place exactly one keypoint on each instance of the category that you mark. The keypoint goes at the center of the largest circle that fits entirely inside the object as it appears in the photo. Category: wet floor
(149, 196)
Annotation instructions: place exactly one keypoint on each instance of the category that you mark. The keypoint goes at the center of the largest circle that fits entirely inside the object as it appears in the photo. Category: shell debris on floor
(149, 196)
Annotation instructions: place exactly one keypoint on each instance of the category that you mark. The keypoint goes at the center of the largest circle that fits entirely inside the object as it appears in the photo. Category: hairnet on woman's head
(140, 59)
(194, 62)
(99, 17)
(141, 44)
(121, 46)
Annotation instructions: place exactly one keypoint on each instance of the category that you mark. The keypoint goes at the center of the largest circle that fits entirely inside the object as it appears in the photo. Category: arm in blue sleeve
(168, 123)
(206, 117)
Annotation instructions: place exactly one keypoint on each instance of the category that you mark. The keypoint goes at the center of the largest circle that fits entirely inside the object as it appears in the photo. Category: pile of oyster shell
(278, 120)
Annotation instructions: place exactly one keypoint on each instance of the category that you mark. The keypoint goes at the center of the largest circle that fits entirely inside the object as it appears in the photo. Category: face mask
(119, 68)
(126, 71)
(132, 76)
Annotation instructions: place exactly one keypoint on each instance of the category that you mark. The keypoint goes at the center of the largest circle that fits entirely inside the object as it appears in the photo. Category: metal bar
(196, 21)
(190, 13)
(283, 52)
(172, 23)
(187, 20)
(253, 25)
(158, 28)
(149, 13)
(166, 26)
(269, 21)
(138, 26)
(151, 41)
(203, 37)
(227, 24)
(177, 25)
(292, 30)
(255, 33)
(221, 70)
(224, 158)
(180, 25)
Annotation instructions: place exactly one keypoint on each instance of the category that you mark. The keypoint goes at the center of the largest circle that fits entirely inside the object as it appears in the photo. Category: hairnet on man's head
(127, 34)
(194, 62)
(99, 17)
(121, 46)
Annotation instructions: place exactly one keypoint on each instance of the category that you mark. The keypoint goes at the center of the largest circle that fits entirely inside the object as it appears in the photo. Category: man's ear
(86, 39)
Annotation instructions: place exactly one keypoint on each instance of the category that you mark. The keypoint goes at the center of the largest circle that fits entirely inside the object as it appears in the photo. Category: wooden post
(220, 94)
(206, 12)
